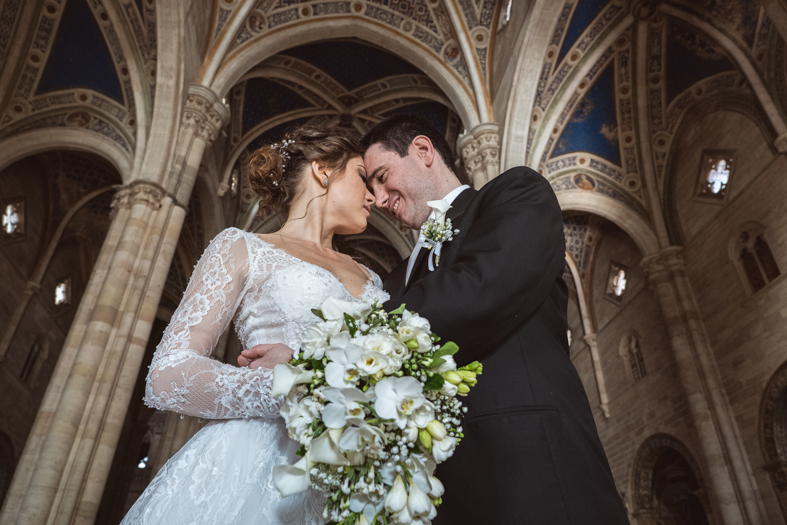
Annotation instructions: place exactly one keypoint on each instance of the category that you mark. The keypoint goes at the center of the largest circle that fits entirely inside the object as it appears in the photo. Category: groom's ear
(423, 149)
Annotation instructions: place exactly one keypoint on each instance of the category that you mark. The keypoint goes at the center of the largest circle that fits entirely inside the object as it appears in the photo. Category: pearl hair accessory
(285, 156)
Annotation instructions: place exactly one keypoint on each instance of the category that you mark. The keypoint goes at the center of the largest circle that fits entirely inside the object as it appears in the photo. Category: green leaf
(317, 364)
(301, 451)
(450, 348)
(318, 313)
(437, 361)
(398, 311)
(416, 449)
(434, 383)
(350, 324)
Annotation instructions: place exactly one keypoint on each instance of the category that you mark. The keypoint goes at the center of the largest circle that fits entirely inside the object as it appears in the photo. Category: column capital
(205, 113)
(480, 149)
(591, 339)
(668, 259)
(138, 192)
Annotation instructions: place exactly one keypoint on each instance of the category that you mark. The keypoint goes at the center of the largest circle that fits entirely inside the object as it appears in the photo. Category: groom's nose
(380, 198)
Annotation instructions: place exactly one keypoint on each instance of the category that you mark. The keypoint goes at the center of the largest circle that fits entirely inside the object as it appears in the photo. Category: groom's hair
(396, 133)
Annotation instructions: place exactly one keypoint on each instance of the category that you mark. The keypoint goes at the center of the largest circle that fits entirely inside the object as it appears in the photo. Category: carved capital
(138, 192)
(204, 113)
(669, 259)
(591, 339)
(32, 288)
(481, 153)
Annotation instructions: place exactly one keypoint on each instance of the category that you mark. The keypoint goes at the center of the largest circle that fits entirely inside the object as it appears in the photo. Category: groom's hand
(266, 356)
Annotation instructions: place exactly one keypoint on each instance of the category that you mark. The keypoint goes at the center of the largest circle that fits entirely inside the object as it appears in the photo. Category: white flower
(449, 389)
(406, 332)
(398, 398)
(418, 502)
(437, 487)
(333, 308)
(416, 322)
(344, 407)
(448, 366)
(424, 342)
(315, 338)
(372, 362)
(393, 365)
(440, 208)
(367, 504)
(356, 438)
(342, 371)
(285, 376)
(422, 415)
(324, 449)
(403, 516)
(444, 449)
(356, 458)
(396, 499)
(298, 417)
(291, 479)
(379, 342)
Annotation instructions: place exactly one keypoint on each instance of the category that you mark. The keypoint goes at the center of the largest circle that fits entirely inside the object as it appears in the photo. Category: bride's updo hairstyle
(276, 170)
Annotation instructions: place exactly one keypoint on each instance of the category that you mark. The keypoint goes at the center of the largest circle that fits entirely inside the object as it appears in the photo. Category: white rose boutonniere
(436, 231)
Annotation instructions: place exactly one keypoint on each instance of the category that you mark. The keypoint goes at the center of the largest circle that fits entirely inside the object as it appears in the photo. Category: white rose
(416, 322)
(315, 341)
(372, 362)
(393, 365)
(378, 342)
(443, 449)
(448, 366)
(424, 342)
(448, 389)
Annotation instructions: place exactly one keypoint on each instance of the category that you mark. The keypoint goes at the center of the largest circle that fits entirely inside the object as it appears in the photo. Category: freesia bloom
(344, 407)
(368, 505)
(437, 488)
(396, 499)
(418, 502)
(448, 389)
(285, 376)
(444, 449)
(416, 322)
(437, 430)
(398, 398)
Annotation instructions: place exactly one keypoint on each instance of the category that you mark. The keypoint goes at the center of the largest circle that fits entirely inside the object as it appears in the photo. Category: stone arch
(24, 145)
(747, 106)
(620, 214)
(772, 430)
(237, 63)
(646, 465)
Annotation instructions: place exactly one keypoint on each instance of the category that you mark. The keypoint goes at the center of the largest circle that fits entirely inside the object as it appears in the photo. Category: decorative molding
(205, 113)
(138, 192)
(481, 153)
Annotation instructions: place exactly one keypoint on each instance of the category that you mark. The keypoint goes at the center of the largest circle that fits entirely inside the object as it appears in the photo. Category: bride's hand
(266, 356)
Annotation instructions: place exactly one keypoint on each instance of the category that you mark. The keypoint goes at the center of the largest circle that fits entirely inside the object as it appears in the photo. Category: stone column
(481, 153)
(734, 489)
(65, 463)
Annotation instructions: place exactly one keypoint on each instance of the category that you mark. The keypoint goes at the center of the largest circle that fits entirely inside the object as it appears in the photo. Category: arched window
(631, 353)
(12, 218)
(753, 257)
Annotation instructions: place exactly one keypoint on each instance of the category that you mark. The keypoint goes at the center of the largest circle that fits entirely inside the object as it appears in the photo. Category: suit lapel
(458, 207)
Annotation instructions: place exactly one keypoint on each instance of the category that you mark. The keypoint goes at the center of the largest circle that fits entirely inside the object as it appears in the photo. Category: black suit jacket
(531, 453)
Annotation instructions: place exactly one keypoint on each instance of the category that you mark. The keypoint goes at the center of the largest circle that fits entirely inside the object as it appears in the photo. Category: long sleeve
(182, 377)
(509, 259)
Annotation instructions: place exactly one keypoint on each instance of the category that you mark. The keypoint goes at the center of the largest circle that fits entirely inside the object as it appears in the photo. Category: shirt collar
(451, 197)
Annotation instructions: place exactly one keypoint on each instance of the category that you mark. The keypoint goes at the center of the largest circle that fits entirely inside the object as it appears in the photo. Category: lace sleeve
(182, 377)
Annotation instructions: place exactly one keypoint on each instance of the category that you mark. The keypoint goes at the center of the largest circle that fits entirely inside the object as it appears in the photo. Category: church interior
(125, 131)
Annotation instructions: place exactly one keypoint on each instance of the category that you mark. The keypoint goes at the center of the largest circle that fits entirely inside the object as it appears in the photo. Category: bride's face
(351, 201)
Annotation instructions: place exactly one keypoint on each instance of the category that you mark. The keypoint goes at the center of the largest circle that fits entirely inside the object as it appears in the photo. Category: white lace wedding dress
(223, 474)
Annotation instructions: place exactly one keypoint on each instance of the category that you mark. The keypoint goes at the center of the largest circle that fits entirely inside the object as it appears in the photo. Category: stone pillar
(733, 487)
(481, 153)
(65, 463)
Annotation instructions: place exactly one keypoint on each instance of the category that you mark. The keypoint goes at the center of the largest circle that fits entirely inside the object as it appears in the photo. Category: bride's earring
(325, 182)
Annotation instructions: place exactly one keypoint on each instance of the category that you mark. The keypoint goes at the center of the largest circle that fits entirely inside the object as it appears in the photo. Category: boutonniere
(436, 231)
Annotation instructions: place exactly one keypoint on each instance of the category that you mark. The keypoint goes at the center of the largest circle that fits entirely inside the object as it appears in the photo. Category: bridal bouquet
(371, 398)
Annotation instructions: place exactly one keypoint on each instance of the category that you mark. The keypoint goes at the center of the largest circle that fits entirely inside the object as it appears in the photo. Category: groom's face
(400, 184)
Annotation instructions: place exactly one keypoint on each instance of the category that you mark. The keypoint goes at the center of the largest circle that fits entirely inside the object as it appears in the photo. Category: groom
(531, 453)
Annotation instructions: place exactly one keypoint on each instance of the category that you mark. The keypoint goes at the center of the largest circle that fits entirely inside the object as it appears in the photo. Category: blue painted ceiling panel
(265, 99)
(594, 125)
(80, 57)
(352, 63)
(690, 58)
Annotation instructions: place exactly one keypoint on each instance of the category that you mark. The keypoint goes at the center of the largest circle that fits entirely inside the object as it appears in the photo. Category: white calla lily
(292, 479)
(285, 376)
(342, 371)
(440, 208)
(325, 450)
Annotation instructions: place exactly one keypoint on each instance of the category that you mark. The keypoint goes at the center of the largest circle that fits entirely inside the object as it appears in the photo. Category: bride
(267, 285)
